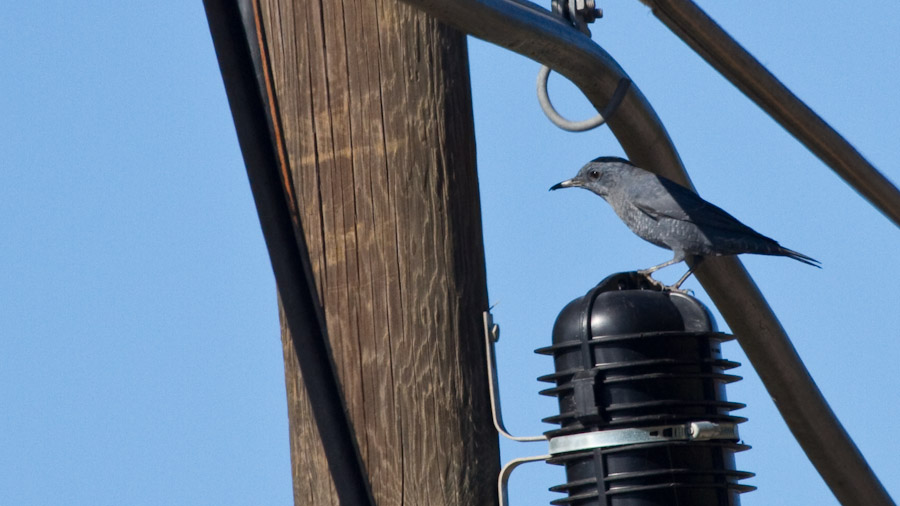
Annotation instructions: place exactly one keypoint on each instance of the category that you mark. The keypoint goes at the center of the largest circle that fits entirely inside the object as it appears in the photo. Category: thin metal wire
(577, 126)
(503, 478)
(490, 336)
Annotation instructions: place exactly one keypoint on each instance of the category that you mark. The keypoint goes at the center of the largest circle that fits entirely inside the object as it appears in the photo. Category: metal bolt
(587, 9)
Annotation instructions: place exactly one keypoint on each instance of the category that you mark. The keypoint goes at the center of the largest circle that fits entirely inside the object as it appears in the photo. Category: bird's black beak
(565, 184)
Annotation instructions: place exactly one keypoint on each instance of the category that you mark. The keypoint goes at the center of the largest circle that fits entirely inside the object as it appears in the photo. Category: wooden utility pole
(376, 111)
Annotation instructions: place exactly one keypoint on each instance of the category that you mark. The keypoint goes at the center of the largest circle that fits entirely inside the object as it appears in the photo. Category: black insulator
(630, 355)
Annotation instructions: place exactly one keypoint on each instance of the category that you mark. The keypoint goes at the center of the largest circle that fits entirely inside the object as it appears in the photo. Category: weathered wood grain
(376, 112)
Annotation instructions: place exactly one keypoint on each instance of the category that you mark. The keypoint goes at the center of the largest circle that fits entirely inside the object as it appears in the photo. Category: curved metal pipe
(538, 34)
(723, 53)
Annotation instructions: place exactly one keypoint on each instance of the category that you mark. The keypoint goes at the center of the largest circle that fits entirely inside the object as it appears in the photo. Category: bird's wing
(668, 199)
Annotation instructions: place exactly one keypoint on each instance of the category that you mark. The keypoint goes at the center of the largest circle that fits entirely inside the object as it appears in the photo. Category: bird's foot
(662, 286)
(652, 282)
(686, 291)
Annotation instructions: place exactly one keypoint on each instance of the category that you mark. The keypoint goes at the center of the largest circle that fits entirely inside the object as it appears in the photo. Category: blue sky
(140, 361)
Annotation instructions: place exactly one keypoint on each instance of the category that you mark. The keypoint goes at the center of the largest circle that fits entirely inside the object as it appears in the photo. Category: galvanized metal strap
(692, 431)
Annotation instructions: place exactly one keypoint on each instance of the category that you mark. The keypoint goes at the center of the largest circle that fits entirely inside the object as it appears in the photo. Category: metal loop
(578, 126)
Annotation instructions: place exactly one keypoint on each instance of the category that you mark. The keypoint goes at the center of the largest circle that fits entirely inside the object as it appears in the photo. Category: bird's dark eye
(594, 174)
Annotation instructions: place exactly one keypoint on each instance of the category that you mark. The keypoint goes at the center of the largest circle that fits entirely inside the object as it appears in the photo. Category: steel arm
(536, 33)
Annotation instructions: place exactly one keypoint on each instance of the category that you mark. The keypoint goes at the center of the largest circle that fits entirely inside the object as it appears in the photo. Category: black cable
(240, 48)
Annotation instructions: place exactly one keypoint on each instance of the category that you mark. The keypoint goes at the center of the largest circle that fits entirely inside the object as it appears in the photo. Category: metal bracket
(491, 336)
(692, 431)
(503, 480)
(577, 12)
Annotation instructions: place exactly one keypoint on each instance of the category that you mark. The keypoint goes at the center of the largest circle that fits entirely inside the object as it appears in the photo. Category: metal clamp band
(693, 431)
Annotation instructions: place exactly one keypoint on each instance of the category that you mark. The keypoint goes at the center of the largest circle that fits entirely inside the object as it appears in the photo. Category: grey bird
(671, 216)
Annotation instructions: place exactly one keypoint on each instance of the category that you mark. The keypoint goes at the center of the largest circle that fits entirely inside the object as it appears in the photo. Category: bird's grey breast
(643, 225)
(664, 231)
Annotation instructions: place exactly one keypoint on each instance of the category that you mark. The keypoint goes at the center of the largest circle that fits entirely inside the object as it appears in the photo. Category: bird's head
(598, 176)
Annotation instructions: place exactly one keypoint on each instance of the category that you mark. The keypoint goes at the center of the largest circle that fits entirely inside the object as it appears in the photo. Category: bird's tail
(800, 257)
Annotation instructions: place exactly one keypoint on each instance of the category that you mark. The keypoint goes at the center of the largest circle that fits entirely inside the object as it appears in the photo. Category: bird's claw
(652, 282)
(662, 286)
